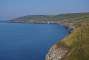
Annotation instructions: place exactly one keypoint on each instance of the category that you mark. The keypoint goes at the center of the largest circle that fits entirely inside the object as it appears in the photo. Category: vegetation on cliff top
(77, 41)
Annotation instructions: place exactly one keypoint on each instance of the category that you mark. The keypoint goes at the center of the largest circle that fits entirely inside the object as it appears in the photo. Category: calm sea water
(28, 41)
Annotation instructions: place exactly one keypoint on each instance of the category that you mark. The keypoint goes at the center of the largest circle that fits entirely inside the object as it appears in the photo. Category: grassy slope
(78, 40)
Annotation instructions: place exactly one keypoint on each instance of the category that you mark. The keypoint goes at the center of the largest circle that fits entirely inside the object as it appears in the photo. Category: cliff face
(73, 47)
(56, 53)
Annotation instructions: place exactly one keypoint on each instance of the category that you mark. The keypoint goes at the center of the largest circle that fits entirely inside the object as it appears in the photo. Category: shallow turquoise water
(28, 41)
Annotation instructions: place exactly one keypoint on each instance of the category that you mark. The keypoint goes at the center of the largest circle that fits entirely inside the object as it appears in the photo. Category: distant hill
(33, 19)
(52, 18)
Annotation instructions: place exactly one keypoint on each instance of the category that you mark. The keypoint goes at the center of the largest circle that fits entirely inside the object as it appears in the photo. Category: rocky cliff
(73, 47)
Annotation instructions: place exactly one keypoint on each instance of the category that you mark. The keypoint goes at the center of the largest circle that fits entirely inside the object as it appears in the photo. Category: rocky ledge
(56, 53)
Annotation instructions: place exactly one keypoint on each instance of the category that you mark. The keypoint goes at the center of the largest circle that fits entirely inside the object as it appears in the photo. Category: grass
(78, 42)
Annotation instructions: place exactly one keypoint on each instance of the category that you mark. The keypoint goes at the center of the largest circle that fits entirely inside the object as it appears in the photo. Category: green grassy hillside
(78, 43)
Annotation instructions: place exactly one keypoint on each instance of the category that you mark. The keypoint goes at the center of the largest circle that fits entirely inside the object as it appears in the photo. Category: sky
(10, 9)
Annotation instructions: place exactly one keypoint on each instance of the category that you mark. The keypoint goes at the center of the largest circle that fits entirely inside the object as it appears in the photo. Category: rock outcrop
(56, 53)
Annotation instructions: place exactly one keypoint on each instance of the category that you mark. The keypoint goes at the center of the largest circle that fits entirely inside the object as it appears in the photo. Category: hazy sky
(16, 8)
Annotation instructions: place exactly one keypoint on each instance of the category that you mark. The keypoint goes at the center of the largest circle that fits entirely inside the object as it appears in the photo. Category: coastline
(55, 48)
(65, 47)
(57, 52)
(70, 46)
(77, 48)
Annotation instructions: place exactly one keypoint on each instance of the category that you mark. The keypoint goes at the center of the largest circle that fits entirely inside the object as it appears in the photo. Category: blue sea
(28, 41)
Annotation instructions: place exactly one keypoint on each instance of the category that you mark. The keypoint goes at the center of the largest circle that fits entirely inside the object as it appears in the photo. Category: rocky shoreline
(59, 52)
(56, 52)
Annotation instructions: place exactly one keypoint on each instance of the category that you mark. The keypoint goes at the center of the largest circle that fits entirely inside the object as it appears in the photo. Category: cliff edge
(72, 47)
